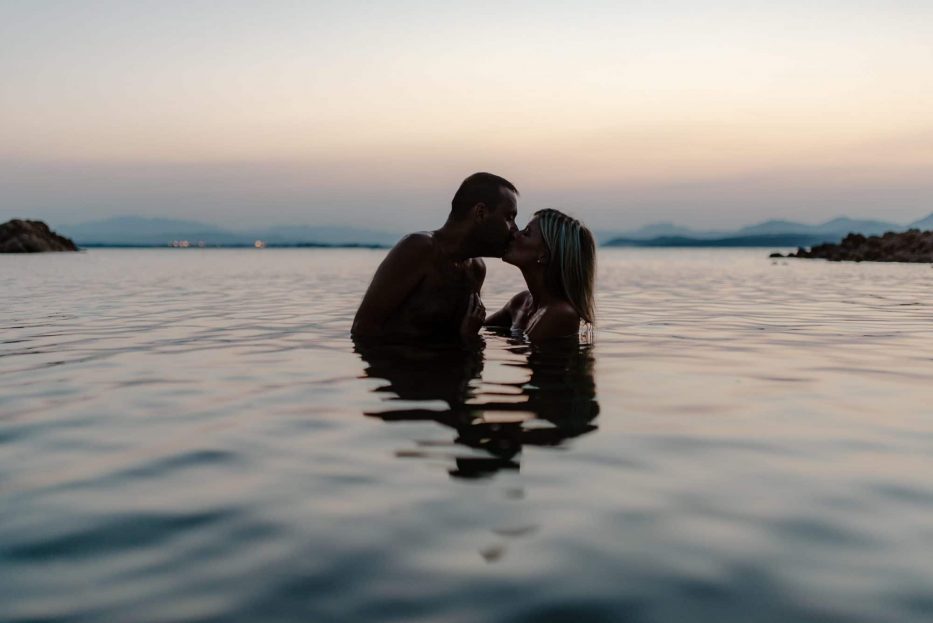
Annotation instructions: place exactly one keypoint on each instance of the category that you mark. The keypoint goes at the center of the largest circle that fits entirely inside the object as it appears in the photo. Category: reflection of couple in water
(553, 399)
(428, 286)
(424, 303)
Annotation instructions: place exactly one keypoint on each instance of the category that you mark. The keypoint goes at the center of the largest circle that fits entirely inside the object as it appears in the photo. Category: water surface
(190, 435)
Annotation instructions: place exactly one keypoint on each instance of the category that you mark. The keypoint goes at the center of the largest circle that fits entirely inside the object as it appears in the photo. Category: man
(428, 285)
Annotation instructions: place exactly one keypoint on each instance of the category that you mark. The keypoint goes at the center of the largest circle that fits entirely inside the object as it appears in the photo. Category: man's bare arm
(395, 279)
(475, 312)
(478, 273)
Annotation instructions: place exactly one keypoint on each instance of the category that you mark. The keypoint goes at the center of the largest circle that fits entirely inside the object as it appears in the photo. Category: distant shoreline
(726, 243)
(143, 232)
(646, 244)
(769, 240)
(786, 240)
(308, 245)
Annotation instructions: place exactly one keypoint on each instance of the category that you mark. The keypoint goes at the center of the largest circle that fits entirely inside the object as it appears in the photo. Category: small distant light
(259, 244)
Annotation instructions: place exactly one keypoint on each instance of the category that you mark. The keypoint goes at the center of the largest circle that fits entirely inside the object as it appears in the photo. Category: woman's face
(527, 246)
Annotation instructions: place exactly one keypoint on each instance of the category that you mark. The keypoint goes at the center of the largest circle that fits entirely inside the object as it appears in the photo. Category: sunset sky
(710, 114)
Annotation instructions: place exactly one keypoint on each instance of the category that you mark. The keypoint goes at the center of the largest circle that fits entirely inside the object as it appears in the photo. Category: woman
(557, 256)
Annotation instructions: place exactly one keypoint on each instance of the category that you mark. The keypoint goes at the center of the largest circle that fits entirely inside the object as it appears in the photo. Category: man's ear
(480, 212)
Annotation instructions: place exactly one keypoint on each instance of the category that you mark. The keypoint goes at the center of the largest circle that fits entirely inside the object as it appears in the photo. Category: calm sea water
(191, 435)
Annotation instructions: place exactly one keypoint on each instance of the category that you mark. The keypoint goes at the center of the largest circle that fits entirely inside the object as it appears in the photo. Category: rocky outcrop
(18, 236)
(909, 246)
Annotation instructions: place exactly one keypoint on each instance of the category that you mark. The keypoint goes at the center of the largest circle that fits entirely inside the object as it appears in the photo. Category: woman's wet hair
(479, 188)
(571, 268)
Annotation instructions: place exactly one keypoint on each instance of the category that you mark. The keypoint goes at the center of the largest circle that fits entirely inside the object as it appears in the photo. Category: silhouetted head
(490, 204)
(565, 251)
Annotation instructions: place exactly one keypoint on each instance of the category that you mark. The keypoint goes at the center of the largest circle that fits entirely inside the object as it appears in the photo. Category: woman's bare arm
(505, 317)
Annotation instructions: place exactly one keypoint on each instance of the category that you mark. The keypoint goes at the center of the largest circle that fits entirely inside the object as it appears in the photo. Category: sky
(707, 114)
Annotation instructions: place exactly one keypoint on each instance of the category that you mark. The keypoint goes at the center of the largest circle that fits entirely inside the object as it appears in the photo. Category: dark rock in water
(19, 236)
(909, 246)
(776, 255)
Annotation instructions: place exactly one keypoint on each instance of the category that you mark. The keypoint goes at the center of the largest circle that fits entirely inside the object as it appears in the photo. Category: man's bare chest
(440, 300)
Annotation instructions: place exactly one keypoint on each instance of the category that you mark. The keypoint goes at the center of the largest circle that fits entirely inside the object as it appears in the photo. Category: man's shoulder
(416, 242)
(414, 247)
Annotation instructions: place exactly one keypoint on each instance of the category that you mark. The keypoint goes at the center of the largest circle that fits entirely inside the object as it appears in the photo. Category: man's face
(498, 227)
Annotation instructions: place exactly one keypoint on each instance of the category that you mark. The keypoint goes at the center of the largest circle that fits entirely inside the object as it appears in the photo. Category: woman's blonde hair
(571, 268)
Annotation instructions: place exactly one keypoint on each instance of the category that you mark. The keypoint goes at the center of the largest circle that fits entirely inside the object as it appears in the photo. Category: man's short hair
(479, 188)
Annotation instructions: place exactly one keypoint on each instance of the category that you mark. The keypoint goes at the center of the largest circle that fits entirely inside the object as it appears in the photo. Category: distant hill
(335, 235)
(768, 233)
(760, 240)
(837, 227)
(773, 227)
(658, 230)
(136, 230)
(844, 226)
(923, 224)
(140, 231)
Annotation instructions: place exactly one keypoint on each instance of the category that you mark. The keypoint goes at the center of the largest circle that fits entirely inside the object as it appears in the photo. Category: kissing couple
(428, 286)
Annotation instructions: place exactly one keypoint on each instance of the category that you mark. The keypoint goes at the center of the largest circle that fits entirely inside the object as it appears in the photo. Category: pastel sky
(710, 114)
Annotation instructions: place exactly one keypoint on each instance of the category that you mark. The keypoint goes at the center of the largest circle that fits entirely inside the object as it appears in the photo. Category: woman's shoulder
(557, 320)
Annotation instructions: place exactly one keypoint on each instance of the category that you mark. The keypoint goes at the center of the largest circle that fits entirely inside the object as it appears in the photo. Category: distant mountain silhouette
(774, 226)
(836, 227)
(923, 224)
(862, 226)
(658, 230)
(137, 230)
(667, 229)
(336, 235)
(140, 231)
(760, 240)
(768, 233)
